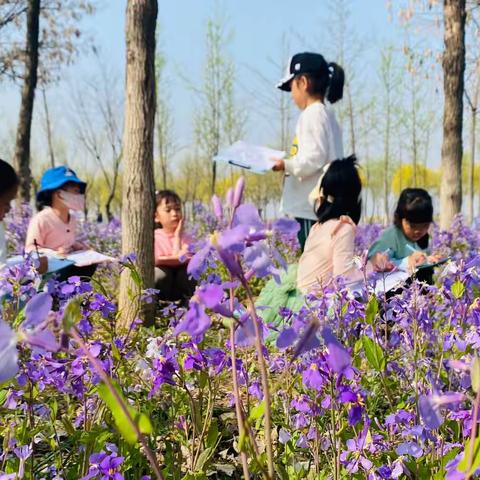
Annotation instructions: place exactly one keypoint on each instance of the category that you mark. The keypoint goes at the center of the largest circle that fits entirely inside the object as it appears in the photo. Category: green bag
(274, 296)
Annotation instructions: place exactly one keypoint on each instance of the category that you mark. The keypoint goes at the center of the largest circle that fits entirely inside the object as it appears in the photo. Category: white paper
(390, 281)
(83, 258)
(254, 158)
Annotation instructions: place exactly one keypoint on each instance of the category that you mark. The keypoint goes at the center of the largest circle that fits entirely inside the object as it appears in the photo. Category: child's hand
(434, 258)
(416, 259)
(79, 246)
(179, 229)
(177, 238)
(278, 165)
(64, 251)
(381, 262)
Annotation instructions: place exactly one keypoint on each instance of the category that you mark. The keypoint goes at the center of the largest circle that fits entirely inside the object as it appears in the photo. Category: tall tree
(453, 81)
(138, 179)
(24, 127)
(217, 118)
(388, 83)
(44, 51)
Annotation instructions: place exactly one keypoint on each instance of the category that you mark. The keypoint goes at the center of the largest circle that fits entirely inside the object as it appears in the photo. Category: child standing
(406, 241)
(318, 140)
(171, 249)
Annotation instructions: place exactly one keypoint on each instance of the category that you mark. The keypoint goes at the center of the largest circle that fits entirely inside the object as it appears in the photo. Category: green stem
(264, 376)
(105, 378)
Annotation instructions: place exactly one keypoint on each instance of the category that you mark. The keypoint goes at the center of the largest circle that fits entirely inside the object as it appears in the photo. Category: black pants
(73, 270)
(174, 284)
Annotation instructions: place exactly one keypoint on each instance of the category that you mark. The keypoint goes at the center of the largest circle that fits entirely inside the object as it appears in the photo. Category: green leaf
(475, 374)
(203, 458)
(458, 289)
(213, 434)
(257, 412)
(463, 465)
(71, 315)
(374, 354)
(121, 420)
(371, 311)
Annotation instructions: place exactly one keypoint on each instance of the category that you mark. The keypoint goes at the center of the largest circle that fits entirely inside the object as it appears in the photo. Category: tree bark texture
(138, 180)
(22, 145)
(453, 81)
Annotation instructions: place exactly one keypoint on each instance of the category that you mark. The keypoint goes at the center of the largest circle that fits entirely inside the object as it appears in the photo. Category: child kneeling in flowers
(171, 249)
(406, 241)
(329, 249)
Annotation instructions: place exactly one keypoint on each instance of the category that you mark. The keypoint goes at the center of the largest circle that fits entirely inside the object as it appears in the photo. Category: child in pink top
(54, 227)
(171, 249)
(329, 249)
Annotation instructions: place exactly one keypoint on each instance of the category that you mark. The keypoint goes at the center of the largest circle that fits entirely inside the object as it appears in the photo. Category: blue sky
(257, 27)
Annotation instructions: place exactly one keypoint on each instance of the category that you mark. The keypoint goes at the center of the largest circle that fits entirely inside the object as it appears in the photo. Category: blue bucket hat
(56, 177)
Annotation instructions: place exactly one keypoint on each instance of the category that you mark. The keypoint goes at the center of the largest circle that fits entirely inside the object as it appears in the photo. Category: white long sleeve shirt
(318, 140)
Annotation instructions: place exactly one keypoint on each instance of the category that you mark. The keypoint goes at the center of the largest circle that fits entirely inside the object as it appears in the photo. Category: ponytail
(336, 83)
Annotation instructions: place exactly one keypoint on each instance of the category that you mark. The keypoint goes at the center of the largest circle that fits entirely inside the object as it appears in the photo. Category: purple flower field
(346, 387)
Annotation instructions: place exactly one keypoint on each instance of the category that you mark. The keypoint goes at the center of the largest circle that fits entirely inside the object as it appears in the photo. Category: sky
(257, 27)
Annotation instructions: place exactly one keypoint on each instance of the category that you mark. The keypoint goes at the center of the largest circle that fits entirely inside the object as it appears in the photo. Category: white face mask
(74, 201)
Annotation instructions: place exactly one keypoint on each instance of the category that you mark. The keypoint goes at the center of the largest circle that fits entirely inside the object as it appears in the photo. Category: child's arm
(173, 261)
(34, 235)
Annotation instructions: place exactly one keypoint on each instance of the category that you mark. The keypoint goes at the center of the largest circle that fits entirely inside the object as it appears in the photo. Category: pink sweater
(164, 243)
(50, 231)
(327, 255)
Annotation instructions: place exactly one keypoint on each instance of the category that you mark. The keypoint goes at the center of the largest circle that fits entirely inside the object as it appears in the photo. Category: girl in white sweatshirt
(318, 139)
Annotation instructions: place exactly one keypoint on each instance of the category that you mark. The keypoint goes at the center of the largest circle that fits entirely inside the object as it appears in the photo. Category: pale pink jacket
(328, 253)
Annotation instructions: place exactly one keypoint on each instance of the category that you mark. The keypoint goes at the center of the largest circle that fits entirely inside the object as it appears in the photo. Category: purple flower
(210, 295)
(199, 262)
(284, 436)
(308, 340)
(245, 332)
(8, 352)
(429, 407)
(286, 338)
(238, 193)
(196, 321)
(312, 379)
(255, 389)
(286, 226)
(22, 453)
(409, 448)
(217, 207)
(338, 359)
(104, 466)
(37, 309)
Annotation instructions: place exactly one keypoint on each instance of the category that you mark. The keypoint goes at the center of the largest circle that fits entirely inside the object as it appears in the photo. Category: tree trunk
(138, 181)
(453, 81)
(22, 146)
